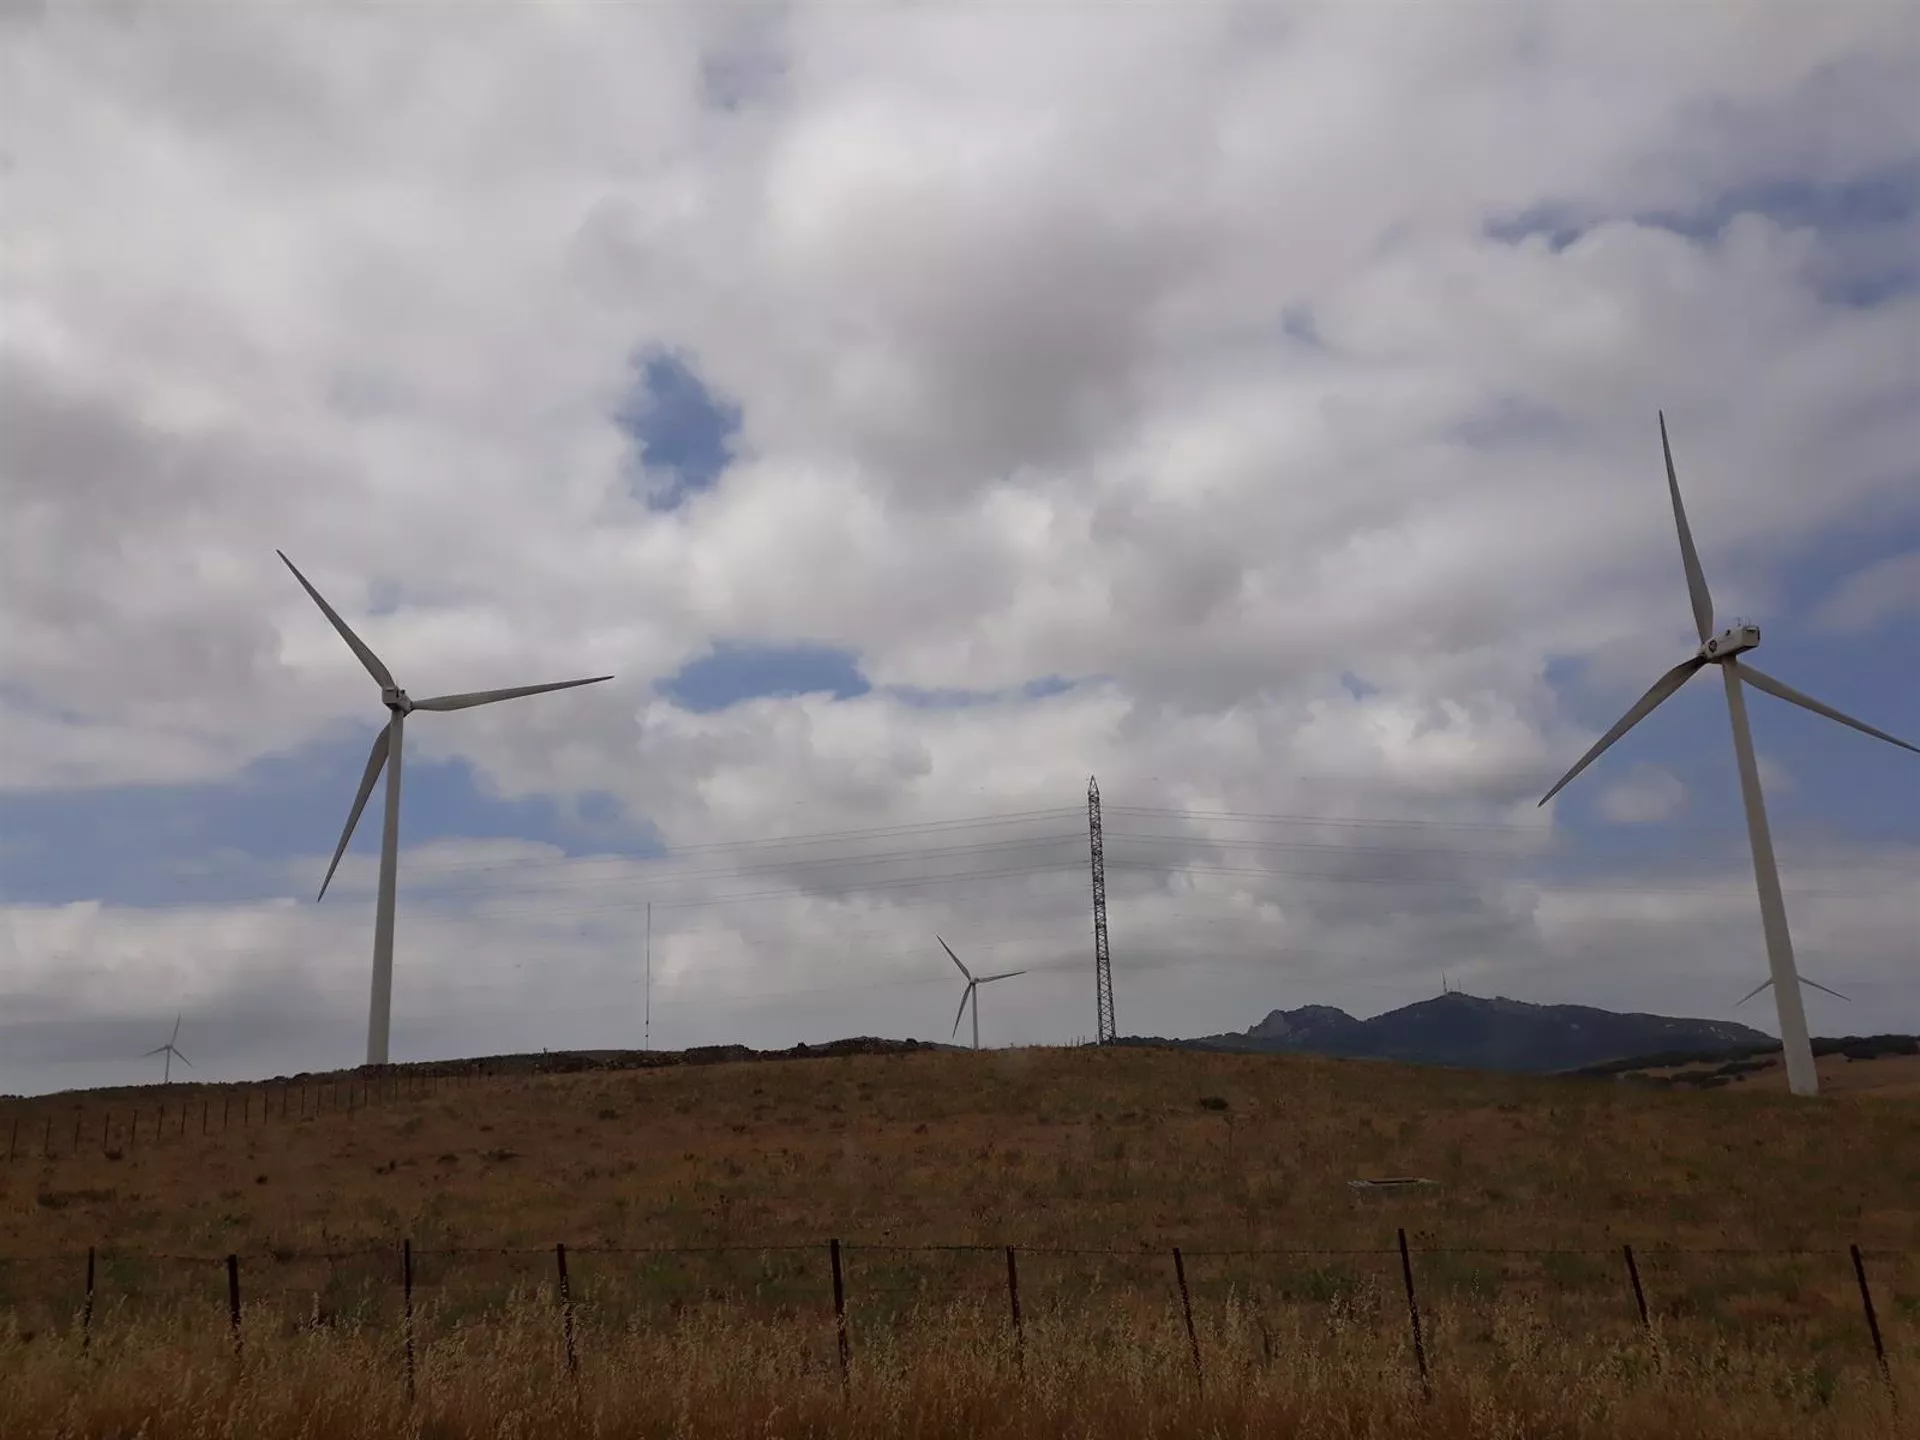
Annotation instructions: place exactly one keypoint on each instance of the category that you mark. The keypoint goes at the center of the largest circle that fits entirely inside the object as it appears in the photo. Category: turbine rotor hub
(394, 698)
(1731, 642)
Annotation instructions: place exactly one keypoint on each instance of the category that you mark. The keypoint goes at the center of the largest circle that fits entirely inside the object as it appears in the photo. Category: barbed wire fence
(838, 1292)
(48, 1129)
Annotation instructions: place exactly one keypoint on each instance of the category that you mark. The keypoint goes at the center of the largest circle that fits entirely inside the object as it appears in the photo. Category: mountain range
(1471, 1032)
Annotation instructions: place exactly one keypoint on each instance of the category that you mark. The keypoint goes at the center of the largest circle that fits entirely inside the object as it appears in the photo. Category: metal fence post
(1639, 1295)
(1186, 1310)
(1873, 1322)
(1413, 1314)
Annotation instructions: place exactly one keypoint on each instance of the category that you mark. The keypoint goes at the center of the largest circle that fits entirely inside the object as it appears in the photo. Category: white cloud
(1647, 793)
(1013, 304)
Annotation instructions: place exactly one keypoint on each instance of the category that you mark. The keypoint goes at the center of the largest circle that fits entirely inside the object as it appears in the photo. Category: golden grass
(1337, 1371)
(1883, 1077)
(1045, 1150)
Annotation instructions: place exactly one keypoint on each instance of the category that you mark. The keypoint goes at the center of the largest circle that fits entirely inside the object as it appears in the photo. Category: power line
(1015, 817)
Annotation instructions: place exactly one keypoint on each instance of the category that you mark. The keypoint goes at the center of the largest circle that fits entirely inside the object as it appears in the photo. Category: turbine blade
(1824, 990)
(183, 1059)
(965, 995)
(1753, 992)
(956, 960)
(1643, 707)
(381, 675)
(1689, 557)
(1760, 680)
(176, 1029)
(1003, 975)
(375, 762)
(157, 1050)
(487, 697)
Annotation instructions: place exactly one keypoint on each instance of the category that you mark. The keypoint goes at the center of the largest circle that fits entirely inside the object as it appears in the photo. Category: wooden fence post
(233, 1301)
(566, 1310)
(1186, 1310)
(845, 1343)
(1413, 1314)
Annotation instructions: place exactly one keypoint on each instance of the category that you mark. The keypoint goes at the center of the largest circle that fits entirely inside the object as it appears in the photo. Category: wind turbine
(171, 1052)
(1724, 650)
(387, 752)
(972, 992)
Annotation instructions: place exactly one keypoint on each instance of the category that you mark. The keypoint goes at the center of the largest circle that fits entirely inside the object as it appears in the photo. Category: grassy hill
(1094, 1163)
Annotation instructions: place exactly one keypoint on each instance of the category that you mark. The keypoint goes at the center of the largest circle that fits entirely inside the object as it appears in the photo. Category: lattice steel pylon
(1102, 958)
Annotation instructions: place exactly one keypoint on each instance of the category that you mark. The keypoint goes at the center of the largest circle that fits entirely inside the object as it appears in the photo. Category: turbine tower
(1724, 650)
(171, 1052)
(972, 992)
(387, 754)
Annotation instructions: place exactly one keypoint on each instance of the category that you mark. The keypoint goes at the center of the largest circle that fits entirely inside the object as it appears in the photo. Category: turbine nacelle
(394, 698)
(1735, 640)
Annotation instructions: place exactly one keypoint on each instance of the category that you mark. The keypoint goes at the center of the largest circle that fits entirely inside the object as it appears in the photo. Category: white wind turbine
(1724, 650)
(972, 992)
(171, 1052)
(387, 753)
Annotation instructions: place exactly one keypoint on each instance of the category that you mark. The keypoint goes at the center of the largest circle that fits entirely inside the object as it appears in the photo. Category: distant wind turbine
(387, 752)
(972, 992)
(171, 1052)
(1724, 650)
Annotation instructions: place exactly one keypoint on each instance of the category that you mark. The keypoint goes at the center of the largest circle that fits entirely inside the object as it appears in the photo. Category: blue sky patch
(1841, 780)
(958, 697)
(1557, 223)
(682, 430)
(733, 671)
(1866, 255)
(122, 845)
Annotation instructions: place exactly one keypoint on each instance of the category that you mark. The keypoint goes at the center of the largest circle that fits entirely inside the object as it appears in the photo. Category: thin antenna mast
(648, 1031)
(1102, 959)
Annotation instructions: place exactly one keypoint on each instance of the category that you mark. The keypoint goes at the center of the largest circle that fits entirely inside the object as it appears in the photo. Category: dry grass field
(1094, 1164)
(1885, 1076)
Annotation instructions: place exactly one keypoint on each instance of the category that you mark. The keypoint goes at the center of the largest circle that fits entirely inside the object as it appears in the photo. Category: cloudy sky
(921, 407)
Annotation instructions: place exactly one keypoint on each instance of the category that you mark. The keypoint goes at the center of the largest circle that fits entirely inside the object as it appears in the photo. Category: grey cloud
(1012, 309)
